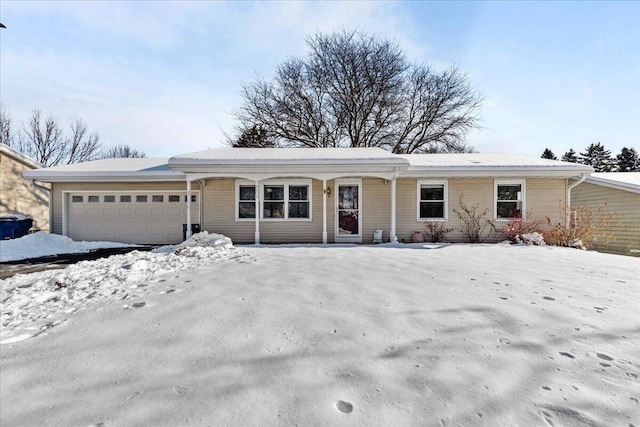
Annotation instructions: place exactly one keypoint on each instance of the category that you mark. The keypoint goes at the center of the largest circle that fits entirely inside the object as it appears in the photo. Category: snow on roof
(288, 155)
(629, 181)
(229, 160)
(19, 156)
(120, 169)
(486, 160)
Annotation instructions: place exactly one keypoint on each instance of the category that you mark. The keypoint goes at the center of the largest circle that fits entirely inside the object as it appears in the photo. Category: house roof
(251, 162)
(123, 169)
(288, 156)
(5, 149)
(485, 164)
(628, 181)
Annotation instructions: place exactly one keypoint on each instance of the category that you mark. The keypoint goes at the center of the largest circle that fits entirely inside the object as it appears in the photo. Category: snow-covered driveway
(434, 335)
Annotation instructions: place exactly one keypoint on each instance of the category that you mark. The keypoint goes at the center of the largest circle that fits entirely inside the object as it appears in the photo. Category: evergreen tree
(548, 154)
(253, 137)
(570, 156)
(628, 160)
(598, 158)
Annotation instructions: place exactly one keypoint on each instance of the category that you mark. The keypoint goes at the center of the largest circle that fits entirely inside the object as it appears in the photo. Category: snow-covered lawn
(301, 335)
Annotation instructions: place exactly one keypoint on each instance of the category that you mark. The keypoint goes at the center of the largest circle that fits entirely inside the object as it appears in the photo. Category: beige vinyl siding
(624, 227)
(376, 208)
(20, 196)
(219, 216)
(544, 197)
(547, 198)
(58, 188)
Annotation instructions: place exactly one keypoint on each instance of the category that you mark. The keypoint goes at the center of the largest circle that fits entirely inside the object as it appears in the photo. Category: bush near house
(586, 227)
(516, 226)
(474, 222)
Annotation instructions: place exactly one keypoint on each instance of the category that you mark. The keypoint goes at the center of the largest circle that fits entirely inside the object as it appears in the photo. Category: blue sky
(163, 77)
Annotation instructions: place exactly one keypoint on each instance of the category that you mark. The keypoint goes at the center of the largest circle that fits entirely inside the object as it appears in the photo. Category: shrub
(435, 232)
(516, 226)
(586, 227)
(474, 223)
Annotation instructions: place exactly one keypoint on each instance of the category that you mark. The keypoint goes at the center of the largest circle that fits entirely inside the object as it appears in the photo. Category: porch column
(188, 207)
(392, 232)
(257, 232)
(324, 211)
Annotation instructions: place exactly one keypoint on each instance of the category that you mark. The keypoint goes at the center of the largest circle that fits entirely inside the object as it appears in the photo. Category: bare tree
(81, 146)
(122, 151)
(46, 144)
(354, 90)
(6, 132)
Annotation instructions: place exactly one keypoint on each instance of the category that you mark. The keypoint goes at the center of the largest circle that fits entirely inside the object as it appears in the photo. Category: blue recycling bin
(12, 228)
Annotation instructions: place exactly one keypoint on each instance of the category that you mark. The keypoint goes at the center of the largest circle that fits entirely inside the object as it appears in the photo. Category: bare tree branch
(122, 151)
(354, 90)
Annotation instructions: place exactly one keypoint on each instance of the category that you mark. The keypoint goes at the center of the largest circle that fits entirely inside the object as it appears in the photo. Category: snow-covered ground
(44, 244)
(421, 334)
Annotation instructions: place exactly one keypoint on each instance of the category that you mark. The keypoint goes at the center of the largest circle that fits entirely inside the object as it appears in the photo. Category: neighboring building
(19, 195)
(621, 192)
(306, 195)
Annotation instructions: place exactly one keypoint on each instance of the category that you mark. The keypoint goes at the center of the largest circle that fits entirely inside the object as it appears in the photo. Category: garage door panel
(129, 222)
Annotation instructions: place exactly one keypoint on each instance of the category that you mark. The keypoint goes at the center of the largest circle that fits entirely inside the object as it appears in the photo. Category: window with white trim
(509, 199)
(278, 201)
(247, 201)
(432, 200)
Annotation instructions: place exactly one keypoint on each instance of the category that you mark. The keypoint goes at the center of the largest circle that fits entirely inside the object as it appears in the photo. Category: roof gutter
(569, 188)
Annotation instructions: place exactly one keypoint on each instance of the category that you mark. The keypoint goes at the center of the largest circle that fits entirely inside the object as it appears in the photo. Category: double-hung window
(432, 200)
(247, 201)
(509, 199)
(276, 201)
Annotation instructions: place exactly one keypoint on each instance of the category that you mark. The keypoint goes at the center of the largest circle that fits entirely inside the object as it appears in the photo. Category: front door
(348, 211)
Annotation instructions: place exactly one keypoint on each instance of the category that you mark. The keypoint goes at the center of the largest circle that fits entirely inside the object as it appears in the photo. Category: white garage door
(153, 217)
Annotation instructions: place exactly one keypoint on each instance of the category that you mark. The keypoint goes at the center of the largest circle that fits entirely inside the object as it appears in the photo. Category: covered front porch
(302, 209)
(314, 195)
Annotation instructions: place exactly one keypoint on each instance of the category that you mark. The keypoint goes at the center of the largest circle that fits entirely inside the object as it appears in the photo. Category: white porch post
(188, 207)
(257, 233)
(392, 232)
(324, 211)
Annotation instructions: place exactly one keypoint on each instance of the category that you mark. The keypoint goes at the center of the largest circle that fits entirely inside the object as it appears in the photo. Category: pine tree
(598, 158)
(628, 160)
(253, 137)
(548, 154)
(570, 156)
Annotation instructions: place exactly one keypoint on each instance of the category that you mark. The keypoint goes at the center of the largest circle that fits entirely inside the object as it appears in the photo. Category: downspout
(49, 192)
(569, 188)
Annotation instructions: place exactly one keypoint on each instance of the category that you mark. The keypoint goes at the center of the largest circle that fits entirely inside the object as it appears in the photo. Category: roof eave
(103, 177)
(493, 171)
(624, 186)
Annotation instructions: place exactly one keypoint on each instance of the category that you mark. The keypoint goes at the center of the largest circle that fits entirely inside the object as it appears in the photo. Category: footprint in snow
(138, 304)
(344, 407)
(604, 357)
(549, 298)
(181, 389)
(569, 355)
